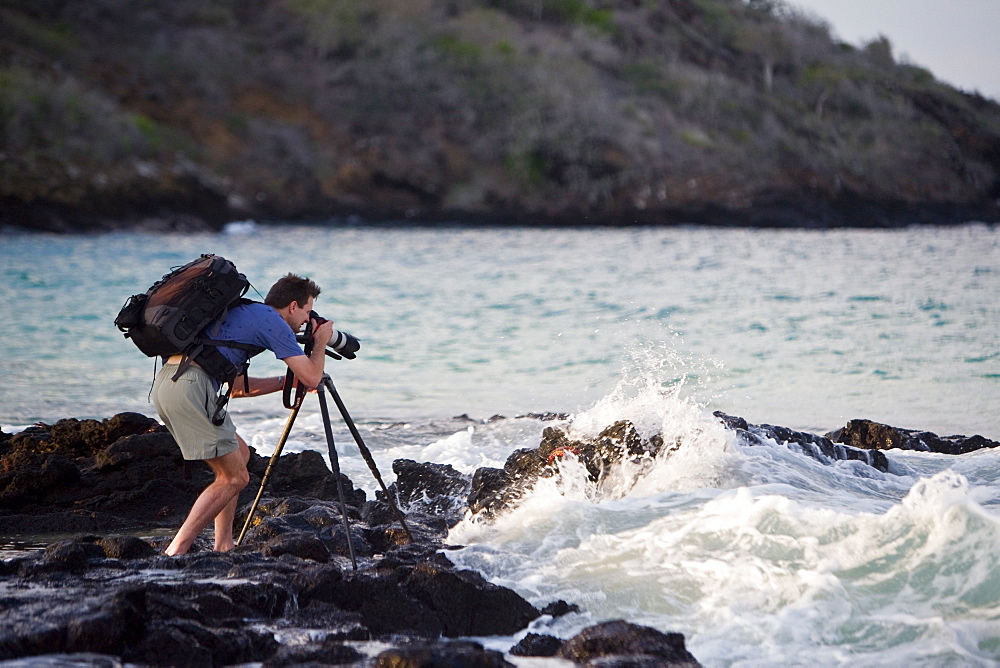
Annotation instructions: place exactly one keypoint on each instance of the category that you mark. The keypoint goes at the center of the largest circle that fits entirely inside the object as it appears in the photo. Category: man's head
(292, 297)
(291, 288)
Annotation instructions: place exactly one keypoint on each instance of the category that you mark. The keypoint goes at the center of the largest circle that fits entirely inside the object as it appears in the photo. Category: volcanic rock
(534, 644)
(492, 490)
(620, 643)
(436, 489)
(871, 435)
(820, 448)
(464, 654)
(116, 597)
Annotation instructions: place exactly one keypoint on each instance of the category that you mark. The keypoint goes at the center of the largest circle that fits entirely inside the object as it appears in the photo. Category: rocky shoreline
(290, 594)
(209, 211)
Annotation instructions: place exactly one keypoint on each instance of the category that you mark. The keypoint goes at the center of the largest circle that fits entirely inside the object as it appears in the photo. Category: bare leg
(230, 477)
(224, 520)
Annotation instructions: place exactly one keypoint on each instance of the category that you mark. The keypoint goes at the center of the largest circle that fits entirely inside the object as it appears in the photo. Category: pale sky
(957, 40)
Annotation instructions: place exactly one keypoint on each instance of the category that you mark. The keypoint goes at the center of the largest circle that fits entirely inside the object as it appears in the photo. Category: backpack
(170, 317)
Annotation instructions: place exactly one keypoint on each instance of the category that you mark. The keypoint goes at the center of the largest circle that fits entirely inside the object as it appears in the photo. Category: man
(187, 404)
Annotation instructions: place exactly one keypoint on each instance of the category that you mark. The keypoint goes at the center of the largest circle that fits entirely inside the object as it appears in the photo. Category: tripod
(326, 386)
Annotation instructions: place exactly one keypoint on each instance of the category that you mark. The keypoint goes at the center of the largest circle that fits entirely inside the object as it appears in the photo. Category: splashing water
(758, 554)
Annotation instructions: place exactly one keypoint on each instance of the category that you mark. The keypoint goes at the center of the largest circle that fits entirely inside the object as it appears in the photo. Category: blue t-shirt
(256, 324)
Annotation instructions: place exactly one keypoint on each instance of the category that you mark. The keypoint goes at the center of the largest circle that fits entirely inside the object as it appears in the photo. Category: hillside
(185, 114)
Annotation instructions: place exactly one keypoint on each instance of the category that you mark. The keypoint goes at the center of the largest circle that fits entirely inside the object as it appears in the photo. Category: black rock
(491, 491)
(72, 554)
(114, 596)
(128, 424)
(125, 547)
(329, 653)
(456, 654)
(304, 545)
(436, 489)
(560, 608)
(820, 448)
(534, 644)
(628, 642)
(466, 603)
(871, 435)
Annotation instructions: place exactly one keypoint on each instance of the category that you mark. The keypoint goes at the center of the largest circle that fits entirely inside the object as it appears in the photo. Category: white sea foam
(760, 555)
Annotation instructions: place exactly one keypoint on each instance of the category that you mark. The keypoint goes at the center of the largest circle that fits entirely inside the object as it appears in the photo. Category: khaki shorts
(186, 406)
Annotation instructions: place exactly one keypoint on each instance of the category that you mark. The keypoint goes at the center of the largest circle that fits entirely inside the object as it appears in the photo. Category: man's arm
(258, 386)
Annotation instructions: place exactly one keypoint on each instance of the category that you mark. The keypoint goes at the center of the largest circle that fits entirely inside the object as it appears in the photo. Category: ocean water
(758, 555)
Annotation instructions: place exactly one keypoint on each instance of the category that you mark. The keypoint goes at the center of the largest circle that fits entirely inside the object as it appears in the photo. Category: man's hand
(308, 370)
(322, 333)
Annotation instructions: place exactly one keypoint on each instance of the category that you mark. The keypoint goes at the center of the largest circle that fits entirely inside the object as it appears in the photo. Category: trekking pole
(365, 452)
(270, 466)
(335, 466)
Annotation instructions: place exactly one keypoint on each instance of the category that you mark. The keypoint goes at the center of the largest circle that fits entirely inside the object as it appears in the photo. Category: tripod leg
(335, 465)
(270, 465)
(365, 452)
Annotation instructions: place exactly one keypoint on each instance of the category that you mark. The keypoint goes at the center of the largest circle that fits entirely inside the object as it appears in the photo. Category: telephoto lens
(340, 343)
(344, 343)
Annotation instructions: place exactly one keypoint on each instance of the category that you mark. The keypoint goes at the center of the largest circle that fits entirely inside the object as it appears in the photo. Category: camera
(340, 344)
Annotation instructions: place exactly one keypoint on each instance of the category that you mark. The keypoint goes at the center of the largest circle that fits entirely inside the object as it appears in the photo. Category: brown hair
(291, 288)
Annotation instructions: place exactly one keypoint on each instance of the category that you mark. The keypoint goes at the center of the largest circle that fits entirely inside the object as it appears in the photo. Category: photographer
(185, 406)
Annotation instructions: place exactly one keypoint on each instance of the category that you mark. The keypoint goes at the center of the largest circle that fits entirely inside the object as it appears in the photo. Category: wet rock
(305, 474)
(321, 515)
(115, 624)
(435, 489)
(871, 435)
(622, 643)
(820, 448)
(125, 547)
(260, 600)
(546, 417)
(494, 490)
(616, 442)
(114, 595)
(457, 654)
(152, 501)
(387, 534)
(183, 641)
(560, 608)
(318, 583)
(335, 539)
(300, 544)
(466, 603)
(267, 528)
(217, 606)
(337, 625)
(534, 644)
(330, 653)
(72, 554)
(383, 607)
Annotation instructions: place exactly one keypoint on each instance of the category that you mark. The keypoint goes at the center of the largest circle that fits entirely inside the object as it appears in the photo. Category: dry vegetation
(515, 110)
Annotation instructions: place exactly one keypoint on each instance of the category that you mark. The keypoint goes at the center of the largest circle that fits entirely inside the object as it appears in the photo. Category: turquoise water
(758, 555)
(803, 329)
